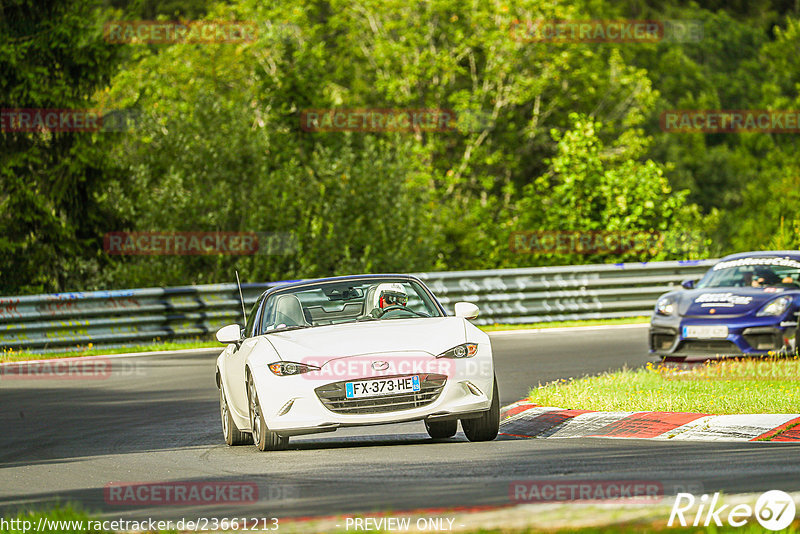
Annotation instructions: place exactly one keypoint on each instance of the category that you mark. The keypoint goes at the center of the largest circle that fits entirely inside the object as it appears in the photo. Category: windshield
(347, 301)
(753, 272)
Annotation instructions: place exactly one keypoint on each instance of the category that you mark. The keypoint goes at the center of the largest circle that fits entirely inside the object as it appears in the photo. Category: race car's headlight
(291, 368)
(665, 306)
(776, 307)
(467, 350)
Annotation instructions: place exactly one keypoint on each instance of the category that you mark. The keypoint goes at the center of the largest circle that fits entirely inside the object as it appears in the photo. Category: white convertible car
(324, 354)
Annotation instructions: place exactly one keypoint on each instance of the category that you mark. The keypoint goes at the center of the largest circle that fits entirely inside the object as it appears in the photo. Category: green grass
(660, 526)
(629, 528)
(609, 521)
(90, 350)
(728, 387)
(16, 523)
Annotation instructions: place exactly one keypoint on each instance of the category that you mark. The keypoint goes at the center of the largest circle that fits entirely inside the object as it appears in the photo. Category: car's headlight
(665, 306)
(291, 368)
(467, 350)
(776, 307)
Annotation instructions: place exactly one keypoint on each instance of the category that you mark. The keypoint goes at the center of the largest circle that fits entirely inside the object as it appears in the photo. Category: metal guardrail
(513, 296)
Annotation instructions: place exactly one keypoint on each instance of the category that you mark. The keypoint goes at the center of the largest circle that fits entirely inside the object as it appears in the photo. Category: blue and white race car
(747, 304)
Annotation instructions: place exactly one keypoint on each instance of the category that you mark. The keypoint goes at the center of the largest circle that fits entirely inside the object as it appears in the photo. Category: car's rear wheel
(441, 429)
(232, 434)
(485, 427)
(264, 438)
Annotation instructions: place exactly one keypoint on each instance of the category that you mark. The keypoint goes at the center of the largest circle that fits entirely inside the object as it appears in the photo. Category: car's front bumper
(297, 405)
(759, 336)
(307, 415)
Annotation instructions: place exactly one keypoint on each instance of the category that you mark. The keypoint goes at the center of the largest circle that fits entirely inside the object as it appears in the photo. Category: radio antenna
(241, 298)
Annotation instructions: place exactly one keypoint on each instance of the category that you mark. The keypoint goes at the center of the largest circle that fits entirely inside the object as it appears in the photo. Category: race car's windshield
(347, 301)
(756, 272)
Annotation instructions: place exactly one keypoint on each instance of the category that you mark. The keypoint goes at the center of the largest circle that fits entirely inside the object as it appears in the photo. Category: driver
(763, 277)
(389, 298)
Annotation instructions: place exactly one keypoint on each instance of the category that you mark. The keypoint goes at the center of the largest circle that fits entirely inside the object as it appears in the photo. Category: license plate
(705, 332)
(383, 386)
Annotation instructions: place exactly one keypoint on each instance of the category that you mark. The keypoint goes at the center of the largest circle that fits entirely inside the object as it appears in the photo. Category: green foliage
(593, 188)
(562, 136)
(51, 57)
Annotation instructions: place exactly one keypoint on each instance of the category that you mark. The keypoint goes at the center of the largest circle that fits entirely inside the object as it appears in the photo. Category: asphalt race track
(155, 419)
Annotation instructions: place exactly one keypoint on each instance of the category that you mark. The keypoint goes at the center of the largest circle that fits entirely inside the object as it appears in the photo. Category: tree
(595, 188)
(51, 57)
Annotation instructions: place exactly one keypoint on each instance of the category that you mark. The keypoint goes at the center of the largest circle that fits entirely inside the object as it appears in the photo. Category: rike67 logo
(774, 510)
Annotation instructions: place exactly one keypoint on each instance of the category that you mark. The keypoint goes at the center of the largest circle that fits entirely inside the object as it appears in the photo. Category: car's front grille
(720, 347)
(334, 398)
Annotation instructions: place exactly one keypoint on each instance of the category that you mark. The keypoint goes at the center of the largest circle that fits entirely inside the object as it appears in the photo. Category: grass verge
(727, 387)
(90, 350)
(61, 518)
(561, 517)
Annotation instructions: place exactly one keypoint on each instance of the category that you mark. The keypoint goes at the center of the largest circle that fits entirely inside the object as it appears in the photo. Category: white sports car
(324, 354)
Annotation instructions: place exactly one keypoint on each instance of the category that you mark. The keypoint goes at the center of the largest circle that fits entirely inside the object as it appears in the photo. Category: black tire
(232, 434)
(264, 438)
(486, 427)
(441, 429)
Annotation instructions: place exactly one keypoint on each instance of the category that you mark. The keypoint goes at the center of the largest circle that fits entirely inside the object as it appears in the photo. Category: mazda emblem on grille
(334, 397)
(380, 366)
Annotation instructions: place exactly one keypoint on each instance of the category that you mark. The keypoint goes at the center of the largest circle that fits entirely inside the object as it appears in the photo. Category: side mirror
(688, 284)
(467, 310)
(231, 333)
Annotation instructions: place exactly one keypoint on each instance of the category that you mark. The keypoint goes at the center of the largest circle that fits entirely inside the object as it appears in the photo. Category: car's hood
(433, 335)
(725, 301)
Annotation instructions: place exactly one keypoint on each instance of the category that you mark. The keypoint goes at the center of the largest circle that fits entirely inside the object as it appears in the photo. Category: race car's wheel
(486, 427)
(264, 438)
(441, 429)
(232, 434)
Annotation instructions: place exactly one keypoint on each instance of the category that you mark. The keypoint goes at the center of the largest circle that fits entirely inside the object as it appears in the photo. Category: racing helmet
(769, 276)
(390, 295)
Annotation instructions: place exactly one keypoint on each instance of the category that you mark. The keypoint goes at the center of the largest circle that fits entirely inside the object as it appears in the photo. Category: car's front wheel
(485, 427)
(441, 429)
(265, 439)
(229, 430)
